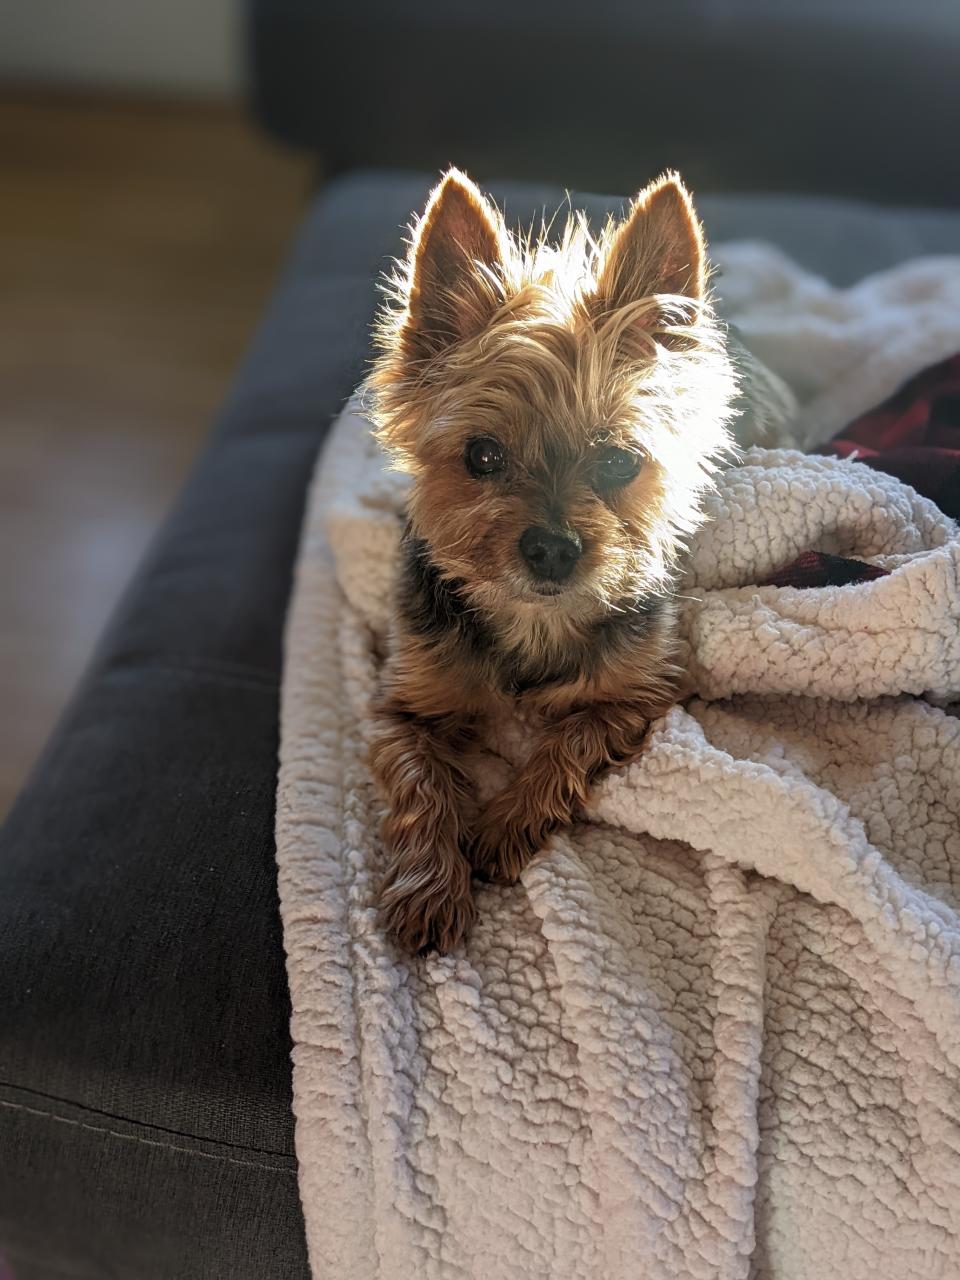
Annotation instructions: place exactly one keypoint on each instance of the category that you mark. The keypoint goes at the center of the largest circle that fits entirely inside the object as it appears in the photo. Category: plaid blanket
(915, 436)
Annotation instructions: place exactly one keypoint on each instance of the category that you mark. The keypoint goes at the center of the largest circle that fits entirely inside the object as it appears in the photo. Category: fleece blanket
(715, 1031)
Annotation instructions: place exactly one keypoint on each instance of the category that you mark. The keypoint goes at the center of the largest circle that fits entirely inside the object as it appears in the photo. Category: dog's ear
(658, 249)
(457, 249)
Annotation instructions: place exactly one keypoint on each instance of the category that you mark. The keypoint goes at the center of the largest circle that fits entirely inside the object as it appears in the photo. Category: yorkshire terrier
(560, 408)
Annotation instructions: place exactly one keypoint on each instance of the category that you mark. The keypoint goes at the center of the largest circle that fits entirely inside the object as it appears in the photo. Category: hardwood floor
(138, 242)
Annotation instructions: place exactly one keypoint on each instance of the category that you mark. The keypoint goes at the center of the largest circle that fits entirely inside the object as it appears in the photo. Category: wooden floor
(138, 242)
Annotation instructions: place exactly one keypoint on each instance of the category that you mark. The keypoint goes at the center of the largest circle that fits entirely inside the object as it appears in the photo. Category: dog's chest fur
(558, 666)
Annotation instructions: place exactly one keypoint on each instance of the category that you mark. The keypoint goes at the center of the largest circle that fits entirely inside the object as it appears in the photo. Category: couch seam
(141, 1124)
(213, 672)
(148, 1142)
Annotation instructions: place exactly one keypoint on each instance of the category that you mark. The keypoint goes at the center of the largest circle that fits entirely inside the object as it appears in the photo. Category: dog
(561, 407)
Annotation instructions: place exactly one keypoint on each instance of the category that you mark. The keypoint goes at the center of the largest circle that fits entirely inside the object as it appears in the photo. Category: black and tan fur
(565, 356)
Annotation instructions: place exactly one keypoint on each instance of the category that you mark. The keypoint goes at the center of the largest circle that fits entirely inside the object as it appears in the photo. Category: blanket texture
(715, 1031)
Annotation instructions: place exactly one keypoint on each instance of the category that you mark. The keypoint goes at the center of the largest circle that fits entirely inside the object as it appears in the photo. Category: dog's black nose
(550, 554)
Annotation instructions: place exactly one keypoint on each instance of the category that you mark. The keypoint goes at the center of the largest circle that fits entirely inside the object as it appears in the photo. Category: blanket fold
(715, 1031)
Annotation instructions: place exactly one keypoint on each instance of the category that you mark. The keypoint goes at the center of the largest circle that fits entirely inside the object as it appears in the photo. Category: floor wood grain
(138, 242)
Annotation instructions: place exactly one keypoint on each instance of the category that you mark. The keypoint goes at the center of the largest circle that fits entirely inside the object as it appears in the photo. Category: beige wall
(155, 44)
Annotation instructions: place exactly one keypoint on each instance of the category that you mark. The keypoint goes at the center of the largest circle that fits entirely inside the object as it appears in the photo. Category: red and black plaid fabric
(817, 569)
(914, 436)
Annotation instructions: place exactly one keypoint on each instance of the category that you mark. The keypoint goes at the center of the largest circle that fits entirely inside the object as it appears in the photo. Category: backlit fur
(555, 350)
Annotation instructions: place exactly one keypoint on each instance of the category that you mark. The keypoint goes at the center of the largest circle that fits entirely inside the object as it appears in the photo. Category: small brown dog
(560, 410)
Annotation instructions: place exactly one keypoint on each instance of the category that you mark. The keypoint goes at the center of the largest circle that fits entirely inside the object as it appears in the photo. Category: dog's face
(559, 408)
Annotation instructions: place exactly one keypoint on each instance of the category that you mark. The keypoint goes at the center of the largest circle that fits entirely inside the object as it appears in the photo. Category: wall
(190, 45)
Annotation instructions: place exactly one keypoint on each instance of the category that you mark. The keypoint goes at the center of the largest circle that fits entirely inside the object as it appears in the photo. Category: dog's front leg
(555, 782)
(425, 899)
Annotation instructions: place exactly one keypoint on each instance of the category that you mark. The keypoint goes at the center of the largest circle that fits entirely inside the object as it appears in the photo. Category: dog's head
(560, 407)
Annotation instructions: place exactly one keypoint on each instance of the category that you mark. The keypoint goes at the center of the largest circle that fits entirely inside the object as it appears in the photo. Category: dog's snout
(549, 553)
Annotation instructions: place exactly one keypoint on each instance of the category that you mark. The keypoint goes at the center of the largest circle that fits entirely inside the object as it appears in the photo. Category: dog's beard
(513, 594)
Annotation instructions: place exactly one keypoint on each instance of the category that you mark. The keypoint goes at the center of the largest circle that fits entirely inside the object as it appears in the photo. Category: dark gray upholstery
(846, 97)
(145, 1126)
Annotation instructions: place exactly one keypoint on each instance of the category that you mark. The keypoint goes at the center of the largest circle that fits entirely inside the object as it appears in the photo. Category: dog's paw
(500, 851)
(431, 914)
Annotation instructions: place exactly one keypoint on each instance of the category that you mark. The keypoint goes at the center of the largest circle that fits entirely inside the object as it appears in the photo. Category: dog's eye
(615, 466)
(484, 457)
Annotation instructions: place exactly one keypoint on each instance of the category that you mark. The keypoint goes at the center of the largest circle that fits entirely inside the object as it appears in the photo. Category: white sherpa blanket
(715, 1031)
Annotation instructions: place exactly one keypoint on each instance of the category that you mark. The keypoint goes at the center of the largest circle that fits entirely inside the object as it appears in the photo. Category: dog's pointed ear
(457, 247)
(658, 249)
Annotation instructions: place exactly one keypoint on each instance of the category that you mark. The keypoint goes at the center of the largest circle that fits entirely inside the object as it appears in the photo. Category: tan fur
(417, 763)
(556, 352)
(570, 756)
